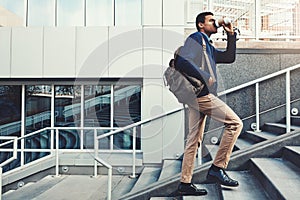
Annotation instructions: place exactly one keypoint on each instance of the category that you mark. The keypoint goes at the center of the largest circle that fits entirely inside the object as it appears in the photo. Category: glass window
(67, 105)
(128, 12)
(70, 13)
(37, 116)
(10, 120)
(279, 18)
(11, 13)
(99, 13)
(38, 109)
(240, 11)
(68, 114)
(10, 112)
(127, 110)
(41, 13)
(97, 107)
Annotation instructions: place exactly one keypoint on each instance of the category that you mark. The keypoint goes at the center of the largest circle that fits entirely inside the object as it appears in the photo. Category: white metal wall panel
(59, 48)
(173, 126)
(173, 135)
(173, 12)
(173, 37)
(125, 51)
(152, 50)
(27, 52)
(152, 12)
(92, 52)
(152, 133)
(5, 35)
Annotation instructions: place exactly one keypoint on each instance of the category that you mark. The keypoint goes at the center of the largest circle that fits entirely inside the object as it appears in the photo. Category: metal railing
(55, 150)
(133, 126)
(256, 82)
(14, 156)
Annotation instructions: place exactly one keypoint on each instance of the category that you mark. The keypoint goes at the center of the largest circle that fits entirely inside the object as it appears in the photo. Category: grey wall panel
(27, 52)
(92, 52)
(59, 52)
(5, 51)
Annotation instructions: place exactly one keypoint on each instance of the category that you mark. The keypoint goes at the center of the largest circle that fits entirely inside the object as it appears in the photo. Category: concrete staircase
(266, 164)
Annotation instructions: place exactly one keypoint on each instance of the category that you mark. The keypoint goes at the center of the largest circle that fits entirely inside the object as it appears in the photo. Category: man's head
(205, 22)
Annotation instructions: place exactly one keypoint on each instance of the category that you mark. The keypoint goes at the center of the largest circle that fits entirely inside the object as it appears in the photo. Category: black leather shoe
(221, 177)
(190, 190)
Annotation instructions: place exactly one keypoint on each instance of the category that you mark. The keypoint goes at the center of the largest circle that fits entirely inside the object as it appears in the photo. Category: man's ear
(200, 25)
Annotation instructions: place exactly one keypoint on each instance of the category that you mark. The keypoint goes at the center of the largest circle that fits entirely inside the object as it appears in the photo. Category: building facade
(92, 63)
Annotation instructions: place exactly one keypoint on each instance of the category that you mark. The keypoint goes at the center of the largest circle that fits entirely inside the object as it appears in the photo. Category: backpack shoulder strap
(207, 60)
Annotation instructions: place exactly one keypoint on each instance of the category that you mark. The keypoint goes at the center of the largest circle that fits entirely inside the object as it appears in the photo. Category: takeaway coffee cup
(220, 22)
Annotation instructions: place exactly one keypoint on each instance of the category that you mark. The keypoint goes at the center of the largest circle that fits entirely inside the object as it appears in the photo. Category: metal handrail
(256, 83)
(14, 156)
(134, 125)
(131, 126)
(96, 144)
(259, 80)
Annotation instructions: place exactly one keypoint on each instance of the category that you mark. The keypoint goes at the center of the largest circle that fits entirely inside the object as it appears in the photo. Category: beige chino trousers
(212, 106)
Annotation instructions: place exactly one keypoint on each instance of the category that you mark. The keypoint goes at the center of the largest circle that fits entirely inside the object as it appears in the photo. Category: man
(189, 61)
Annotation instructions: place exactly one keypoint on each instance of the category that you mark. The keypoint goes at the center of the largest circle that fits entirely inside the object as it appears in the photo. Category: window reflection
(10, 112)
(68, 114)
(37, 116)
(41, 13)
(70, 13)
(10, 120)
(127, 110)
(97, 105)
(128, 12)
(67, 105)
(12, 13)
(38, 109)
(99, 13)
(97, 109)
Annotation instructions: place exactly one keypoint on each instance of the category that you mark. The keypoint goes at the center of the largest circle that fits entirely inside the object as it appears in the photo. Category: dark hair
(201, 18)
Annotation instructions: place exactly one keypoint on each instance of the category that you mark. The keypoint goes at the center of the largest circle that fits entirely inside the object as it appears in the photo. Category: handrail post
(56, 156)
(96, 144)
(1, 182)
(52, 141)
(15, 153)
(133, 152)
(257, 106)
(109, 183)
(288, 102)
(200, 154)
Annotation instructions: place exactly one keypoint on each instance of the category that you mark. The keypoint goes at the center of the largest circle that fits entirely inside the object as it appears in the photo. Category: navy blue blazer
(190, 57)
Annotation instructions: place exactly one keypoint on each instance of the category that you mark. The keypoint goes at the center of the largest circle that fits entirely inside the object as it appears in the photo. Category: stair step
(249, 187)
(62, 187)
(123, 186)
(32, 189)
(243, 143)
(259, 136)
(295, 120)
(281, 179)
(279, 128)
(292, 154)
(170, 168)
(213, 190)
(149, 175)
